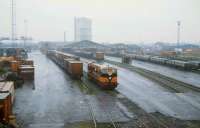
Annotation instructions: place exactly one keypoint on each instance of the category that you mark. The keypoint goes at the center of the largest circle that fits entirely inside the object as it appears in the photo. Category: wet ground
(58, 101)
(185, 76)
(153, 97)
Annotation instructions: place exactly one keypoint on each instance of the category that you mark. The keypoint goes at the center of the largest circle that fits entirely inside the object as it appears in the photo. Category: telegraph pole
(25, 32)
(178, 33)
(64, 36)
(13, 21)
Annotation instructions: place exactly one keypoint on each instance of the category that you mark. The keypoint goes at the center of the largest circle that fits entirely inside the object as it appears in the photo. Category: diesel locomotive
(104, 76)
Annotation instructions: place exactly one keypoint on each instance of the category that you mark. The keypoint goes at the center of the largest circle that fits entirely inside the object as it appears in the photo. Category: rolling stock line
(172, 62)
(108, 114)
(89, 106)
(90, 55)
(104, 76)
(114, 124)
(168, 82)
(157, 120)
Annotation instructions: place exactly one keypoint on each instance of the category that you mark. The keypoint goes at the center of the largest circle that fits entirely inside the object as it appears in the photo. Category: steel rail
(107, 113)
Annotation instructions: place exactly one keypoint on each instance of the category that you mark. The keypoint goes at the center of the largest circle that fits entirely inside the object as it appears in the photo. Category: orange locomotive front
(104, 76)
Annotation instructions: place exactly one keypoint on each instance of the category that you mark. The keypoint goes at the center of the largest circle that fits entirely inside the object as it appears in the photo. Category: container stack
(26, 72)
(6, 101)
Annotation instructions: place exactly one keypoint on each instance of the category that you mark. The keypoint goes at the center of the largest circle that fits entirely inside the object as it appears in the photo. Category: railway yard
(144, 97)
(99, 64)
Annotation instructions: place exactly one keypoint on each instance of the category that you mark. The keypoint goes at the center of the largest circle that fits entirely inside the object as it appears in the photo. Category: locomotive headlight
(109, 72)
(110, 78)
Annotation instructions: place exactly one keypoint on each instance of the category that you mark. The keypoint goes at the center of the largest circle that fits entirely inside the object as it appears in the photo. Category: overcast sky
(113, 20)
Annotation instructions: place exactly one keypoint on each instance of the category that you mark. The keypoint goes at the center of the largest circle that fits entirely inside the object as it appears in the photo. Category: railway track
(160, 123)
(196, 71)
(90, 107)
(108, 114)
(167, 82)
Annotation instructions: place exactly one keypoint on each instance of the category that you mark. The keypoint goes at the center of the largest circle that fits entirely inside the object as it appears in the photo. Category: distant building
(82, 29)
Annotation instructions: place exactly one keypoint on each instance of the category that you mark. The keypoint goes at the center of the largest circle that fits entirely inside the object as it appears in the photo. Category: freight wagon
(104, 76)
(158, 60)
(90, 55)
(70, 63)
(143, 57)
(186, 65)
(84, 54)
(99, 56)
(74, 68)
(181, 64)
(126, 59)
(195, 64)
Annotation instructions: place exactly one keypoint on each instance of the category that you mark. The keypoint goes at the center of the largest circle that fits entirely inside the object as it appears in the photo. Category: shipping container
(7, 95)
(5, 107)
(167, 53)
(8, 87)
(70, 63)
(99, 56)
(75, 69)
(26, 72)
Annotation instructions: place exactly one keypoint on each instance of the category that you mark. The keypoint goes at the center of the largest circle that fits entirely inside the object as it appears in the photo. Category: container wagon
(158, 60)
(104, 76)
(99, 56)
(126, 59)
(84, 54)
(194, 64)
(182, 64)
(143, 57)
(185, 65)
(74, 68)
(90, 55)
(70, 63)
